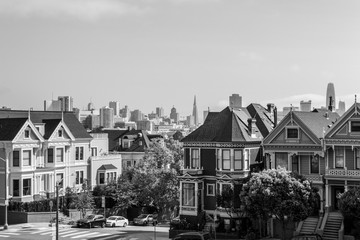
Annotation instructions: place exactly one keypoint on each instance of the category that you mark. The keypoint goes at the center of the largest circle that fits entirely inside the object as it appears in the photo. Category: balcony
(193, 171)
(314, 178)
(341, 173)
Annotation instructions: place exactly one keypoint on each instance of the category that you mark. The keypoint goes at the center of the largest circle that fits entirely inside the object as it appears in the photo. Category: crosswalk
(68, 233)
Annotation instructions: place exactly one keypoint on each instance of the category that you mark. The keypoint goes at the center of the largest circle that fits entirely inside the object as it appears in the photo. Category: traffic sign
(103, 201)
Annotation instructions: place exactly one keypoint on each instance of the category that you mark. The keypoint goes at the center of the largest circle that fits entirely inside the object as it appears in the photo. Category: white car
(117, 221)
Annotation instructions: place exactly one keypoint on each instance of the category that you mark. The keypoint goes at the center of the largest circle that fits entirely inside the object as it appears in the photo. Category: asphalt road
(120, 233)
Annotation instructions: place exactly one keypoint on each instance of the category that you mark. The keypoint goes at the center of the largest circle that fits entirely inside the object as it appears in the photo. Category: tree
(84, 200)
(279, 194)
(349, 205)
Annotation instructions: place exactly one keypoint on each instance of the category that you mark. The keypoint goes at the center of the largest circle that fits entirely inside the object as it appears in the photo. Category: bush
(35, 206)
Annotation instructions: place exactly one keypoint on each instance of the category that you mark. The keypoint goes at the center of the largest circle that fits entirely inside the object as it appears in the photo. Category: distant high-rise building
(90, 106)
(116, 106)
(195, 113)
(235, 101)
(174, 115)
(160, 111)
(305, 106)
(330, 97)
(341, 109)
(64, 103)
(136, 115)
(107, 117)
(190, 121)
(125, 113)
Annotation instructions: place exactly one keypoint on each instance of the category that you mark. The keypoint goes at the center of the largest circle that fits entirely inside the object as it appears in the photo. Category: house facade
(218, 155)
(342, 156)
(297, 145)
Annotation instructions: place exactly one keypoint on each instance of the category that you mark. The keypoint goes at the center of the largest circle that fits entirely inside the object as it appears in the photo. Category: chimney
(270, 107)
(275, 117)
(252, 126)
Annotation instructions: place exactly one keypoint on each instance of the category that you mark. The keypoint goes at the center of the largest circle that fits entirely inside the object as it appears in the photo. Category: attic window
(355, 126)
(60, 133)
(292, 133)
(27, 133)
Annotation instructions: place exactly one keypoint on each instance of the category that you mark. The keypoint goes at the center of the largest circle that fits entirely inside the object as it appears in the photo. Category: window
(357, 158)
(79, 153)
(60, 179)
(195, 158)
(218, 158)
(59, 155)
(246, 159)
(188, 194)
(94, 151)
(314, 160)
(101, 178)
(60, 133)
(108, 177)
(226, 159)
(50, 155)
(79, 177)
(26, 187)
(27, 134)
(128, 164)
(339, 157)
(16, 158)
(295, 163)
(355, 126)
(281, 160)
(26, 158)
(238, 159)
(16, 188)
(210, 189)
(292, 133)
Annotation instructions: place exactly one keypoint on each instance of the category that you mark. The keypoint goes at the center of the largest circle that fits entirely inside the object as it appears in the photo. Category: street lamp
(6, 196)
(57, 207)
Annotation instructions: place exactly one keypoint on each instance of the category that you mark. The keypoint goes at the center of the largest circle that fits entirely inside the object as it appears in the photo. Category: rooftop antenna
(291, 114)
(356, 106)
(62, 116)
(29, 113)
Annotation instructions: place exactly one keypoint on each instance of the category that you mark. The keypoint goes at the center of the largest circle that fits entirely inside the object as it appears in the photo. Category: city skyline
(147, 54)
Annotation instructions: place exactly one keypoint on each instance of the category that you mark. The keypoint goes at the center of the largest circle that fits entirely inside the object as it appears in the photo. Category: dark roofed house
(218, 155)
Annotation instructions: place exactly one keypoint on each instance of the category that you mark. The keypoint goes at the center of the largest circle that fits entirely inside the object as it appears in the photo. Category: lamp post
(57, 208)
(6, 201)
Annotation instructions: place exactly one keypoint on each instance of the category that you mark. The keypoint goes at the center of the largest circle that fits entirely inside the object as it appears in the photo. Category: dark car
(307, 237)
(193, 236)
(145, 219)
(92, 221)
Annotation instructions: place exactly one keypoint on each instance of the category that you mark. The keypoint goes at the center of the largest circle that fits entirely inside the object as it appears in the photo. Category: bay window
(188, 194)
(246, 159)
(26, 158)
(59, 155)
(238, 158)
(314, 160)
(195, 158)
(339, 157)
(226, 159)
(281, 160)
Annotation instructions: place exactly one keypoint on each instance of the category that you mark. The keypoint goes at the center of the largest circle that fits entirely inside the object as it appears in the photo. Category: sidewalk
(33, 225)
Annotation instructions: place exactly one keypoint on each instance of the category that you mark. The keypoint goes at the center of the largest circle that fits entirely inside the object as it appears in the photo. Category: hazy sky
(149, 53)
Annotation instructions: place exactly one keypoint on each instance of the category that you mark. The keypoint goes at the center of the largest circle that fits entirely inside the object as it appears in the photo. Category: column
(321, 193)
(290, 161)
(327, 196)
(232, 160)
(346, 186)
(272, 160)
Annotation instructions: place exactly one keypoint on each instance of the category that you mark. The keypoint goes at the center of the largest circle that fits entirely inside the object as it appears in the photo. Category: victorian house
(219, 155)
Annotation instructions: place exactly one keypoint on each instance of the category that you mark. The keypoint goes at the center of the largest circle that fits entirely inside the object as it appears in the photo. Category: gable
(28, 133)
(280, 134)
(61, 133)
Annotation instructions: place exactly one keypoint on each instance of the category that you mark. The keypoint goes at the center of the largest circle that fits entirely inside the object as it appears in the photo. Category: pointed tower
(330, 97)
(195, 112)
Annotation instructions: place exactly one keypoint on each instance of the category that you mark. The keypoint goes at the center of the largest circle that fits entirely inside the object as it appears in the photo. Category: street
(128, 233)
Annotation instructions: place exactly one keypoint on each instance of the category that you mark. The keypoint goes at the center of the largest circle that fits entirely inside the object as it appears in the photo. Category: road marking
(11, 233)
(4, 236)
(40, 231)
(71, 232)
(86, 234)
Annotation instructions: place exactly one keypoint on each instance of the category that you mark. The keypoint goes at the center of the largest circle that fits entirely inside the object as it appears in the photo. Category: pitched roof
(50, 126)
(264, 120)
(10, 127)
(113, 136)
(76, 128)
(210, 116)
(107, 167)
(317, 122)
(229, 125)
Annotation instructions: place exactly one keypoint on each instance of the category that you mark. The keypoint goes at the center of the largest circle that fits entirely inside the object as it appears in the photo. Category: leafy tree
(349, 202)
(277, 193)
(84, 200)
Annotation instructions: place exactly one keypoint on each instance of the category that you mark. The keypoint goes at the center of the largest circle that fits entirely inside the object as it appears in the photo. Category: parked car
(145, 219)
(92, 221)
(193, 236)
(116, 221)
(307, 237)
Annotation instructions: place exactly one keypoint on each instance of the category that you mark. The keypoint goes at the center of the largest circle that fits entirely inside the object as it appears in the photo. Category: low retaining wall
(29, 217)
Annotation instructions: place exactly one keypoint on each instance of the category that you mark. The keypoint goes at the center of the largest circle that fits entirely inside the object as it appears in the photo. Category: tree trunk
(283, 230)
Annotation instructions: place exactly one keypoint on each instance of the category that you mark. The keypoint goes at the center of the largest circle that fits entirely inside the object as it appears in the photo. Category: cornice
(221, 145)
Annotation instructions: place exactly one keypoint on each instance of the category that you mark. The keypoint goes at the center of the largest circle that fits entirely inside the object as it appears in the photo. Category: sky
(161, 53)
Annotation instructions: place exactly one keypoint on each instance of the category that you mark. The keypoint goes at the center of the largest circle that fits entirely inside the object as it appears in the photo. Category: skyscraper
(160, 112)
(235, 101)
(116, 106)
(195, 113)
(64, 103)
(341, 109)
(330, 97)
(174, 115)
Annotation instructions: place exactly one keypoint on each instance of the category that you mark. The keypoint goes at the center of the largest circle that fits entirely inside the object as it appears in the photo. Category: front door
(335, 194)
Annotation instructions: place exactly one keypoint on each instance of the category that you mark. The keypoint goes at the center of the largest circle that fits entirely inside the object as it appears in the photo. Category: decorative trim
(221, 145)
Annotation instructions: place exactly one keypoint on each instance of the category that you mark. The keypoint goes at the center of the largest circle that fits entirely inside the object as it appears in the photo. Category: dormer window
(292, 133)
(60, 133)
(27, 134)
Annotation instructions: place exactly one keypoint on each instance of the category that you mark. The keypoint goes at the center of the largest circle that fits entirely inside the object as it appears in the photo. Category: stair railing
(341, 231)
(298, 229)
(320, 231)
